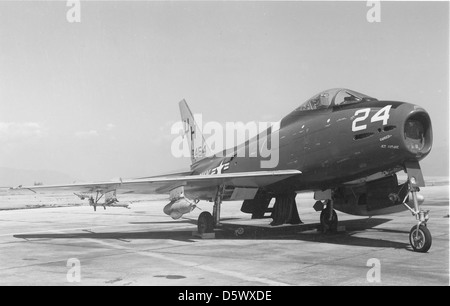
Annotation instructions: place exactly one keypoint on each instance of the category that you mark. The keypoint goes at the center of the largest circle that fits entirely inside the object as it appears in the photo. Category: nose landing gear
(419, 236)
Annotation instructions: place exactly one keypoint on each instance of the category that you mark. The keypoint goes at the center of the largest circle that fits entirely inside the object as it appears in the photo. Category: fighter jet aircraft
(345, 146)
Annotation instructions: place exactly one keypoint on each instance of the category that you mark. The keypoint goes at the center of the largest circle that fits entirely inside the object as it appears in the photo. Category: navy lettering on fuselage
(217, 170)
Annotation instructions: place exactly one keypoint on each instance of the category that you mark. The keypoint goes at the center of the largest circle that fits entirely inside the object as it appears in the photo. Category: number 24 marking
(381, 115)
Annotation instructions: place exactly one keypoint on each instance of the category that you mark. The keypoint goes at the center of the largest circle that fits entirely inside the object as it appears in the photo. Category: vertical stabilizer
(192, 131)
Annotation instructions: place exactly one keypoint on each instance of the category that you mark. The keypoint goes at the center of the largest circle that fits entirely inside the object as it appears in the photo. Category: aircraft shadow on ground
(190, 221)
(302, 232)
(312, 233)
(181, 235)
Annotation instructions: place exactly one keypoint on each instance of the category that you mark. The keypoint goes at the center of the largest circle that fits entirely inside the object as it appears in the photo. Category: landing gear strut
(110, 199)
(217, 206)
(419, 236)
(93, 202)
(207, 222)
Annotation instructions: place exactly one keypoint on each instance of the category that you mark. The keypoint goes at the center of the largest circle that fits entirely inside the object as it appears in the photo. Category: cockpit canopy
(333, 97)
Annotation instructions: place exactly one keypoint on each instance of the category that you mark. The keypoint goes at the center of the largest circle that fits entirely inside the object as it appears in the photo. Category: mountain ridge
(11, 177)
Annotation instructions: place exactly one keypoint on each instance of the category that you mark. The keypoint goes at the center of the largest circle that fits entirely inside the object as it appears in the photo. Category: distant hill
(10, 177)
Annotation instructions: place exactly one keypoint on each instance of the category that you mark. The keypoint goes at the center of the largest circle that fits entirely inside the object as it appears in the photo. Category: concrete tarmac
(143, 246)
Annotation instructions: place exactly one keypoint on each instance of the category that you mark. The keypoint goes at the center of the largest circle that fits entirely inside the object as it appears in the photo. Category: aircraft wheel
(420, 240)
(325, 221)
(205, 223)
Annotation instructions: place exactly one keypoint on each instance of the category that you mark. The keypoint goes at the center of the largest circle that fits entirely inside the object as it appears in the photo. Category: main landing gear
(94, 202)
(110, 199)
(207, 222)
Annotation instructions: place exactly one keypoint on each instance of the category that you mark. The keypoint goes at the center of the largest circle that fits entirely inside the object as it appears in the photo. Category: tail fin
(197, 143)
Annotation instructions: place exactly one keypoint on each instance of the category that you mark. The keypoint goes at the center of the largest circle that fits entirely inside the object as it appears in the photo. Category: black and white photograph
(222, 149)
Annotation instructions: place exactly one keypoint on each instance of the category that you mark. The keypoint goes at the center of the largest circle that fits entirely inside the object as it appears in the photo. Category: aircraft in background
(345, 146)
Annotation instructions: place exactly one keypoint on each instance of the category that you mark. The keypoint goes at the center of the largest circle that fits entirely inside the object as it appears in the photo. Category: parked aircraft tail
(192, 131)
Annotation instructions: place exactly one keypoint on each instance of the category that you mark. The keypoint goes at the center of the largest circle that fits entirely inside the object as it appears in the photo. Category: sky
(96, 99)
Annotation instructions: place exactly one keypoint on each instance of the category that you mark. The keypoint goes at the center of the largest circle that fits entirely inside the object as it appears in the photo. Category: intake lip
(417, 133)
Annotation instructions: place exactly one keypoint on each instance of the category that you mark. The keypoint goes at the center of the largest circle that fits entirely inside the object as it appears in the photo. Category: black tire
(423, 241)
(325, 220)
(205, 223)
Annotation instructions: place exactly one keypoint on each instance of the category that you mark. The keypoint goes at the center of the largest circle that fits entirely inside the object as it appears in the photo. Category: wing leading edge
(163, 184)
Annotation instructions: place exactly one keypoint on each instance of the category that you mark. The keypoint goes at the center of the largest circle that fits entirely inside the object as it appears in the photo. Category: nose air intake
(417, 133)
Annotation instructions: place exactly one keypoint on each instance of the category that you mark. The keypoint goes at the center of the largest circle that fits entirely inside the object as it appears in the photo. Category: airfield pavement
(143, 246)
